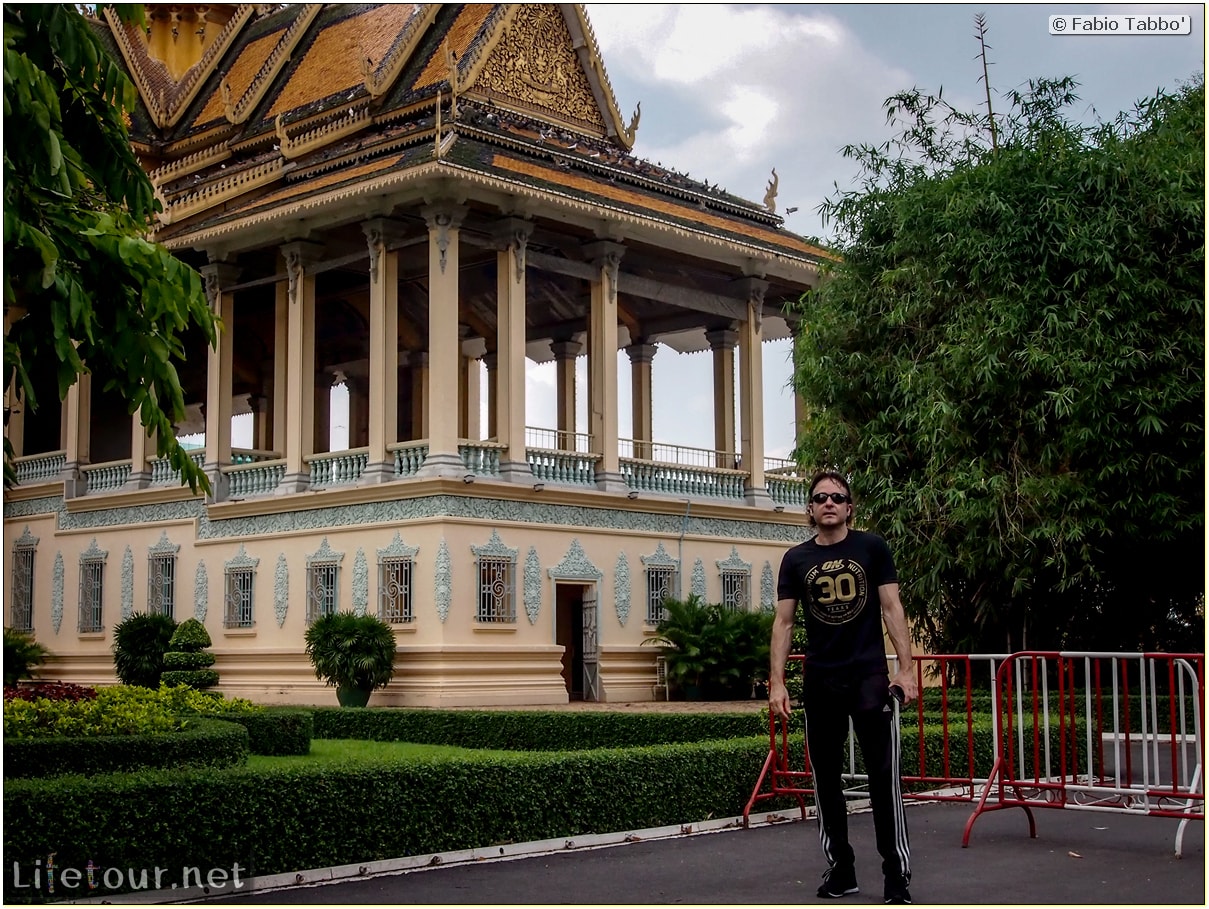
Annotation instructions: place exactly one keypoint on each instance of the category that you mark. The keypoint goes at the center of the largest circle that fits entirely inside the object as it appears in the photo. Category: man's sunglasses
(838, 497)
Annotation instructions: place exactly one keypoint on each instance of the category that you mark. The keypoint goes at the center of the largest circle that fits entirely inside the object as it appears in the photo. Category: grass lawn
(346, 751)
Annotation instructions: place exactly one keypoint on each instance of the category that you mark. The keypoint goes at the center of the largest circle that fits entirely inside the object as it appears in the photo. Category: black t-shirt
(837, 586)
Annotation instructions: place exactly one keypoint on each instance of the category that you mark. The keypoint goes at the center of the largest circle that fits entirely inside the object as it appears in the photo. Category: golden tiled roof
(463, 31)
(239, 76)
(332, 63)
(304, 104)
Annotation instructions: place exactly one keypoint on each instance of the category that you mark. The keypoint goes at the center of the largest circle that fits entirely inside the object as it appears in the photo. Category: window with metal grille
(237, 612)
(92, 581)
(736, 590)
(394, 591)
(660, 585)
(322, 589)
(497, 589)
(161, 584)
(22, 613)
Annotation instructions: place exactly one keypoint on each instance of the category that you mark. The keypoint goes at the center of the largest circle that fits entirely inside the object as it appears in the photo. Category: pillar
(565, 352)
(641, 354)
(299, 436)
(722, 342)
(602, 362)
(751, 390)
(444, 354)
(77, 407)
(508, 406)
(383, 378)
(219, 376)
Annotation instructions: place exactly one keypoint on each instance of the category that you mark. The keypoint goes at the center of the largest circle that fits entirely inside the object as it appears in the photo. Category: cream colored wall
(455, 662)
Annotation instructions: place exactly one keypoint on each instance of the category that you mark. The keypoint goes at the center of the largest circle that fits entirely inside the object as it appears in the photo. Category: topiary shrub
(185, 662)
(182, 659)
(199, 679)
(139, 644)
(22, 655)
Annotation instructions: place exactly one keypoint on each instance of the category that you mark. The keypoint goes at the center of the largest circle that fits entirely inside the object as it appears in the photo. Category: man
(846, 581)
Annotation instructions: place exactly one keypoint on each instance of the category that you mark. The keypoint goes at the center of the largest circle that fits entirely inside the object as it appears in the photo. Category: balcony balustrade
(554, 456)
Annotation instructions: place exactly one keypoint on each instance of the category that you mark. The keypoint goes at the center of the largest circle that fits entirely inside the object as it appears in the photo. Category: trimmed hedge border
(205, 743)
(276, 730)
(532, 730)
(316, 816)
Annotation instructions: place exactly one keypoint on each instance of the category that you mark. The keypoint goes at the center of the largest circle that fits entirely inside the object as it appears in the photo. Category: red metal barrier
(1065, 734)
(1093, 751)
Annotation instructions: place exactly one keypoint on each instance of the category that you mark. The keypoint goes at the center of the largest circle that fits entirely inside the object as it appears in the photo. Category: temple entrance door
(591, 645)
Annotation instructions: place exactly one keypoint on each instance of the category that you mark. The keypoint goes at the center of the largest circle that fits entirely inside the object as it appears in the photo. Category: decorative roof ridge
(358, 155)
(220, 191)
(336, 128)
(237, 112)
(626, 134)
(379, 79)
(189, 164)
(582, 162)
(167, 107)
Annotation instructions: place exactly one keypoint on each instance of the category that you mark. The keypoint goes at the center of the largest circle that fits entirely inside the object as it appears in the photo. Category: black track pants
(830, 700)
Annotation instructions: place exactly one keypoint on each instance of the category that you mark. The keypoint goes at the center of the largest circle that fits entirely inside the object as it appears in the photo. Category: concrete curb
(318, 876)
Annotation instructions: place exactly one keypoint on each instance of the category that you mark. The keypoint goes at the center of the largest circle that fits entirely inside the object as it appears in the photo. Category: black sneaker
(896, 891)
(838, 882)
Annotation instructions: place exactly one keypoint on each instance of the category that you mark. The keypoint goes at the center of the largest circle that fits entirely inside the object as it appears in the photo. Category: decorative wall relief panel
(442, 592)
(699, 580)
(201, 592)
(768, 594)
(360, 582)
(621, 588)
(56, 593)
(533, 585)
(281, 589)
(127, 583)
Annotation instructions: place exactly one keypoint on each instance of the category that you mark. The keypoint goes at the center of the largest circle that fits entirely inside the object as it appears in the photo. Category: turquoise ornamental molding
(201, 592)
(494, 548)
(768, 596)
(621, 588)
(164, 547)
(576, 566)
(698, 585)
(281, 589)
(442, 590)
(56, 593)
(533, 585)
(360, 582)
(127, 583)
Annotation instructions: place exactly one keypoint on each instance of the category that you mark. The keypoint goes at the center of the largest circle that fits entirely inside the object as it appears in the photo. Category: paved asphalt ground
(1078, 857)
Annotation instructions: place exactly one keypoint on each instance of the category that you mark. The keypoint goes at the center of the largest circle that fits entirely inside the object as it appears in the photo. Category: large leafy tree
(83, 287)
(1009, 361)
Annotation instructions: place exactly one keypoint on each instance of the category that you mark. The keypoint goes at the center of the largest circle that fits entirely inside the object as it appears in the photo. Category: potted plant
(355, 653)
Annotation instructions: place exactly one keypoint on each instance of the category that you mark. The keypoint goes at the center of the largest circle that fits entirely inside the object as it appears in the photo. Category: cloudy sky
(730, 91)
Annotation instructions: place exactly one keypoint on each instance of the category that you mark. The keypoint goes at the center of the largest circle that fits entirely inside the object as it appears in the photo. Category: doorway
(575, 632)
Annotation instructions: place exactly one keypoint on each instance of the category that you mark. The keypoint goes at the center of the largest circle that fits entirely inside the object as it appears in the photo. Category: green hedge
(316, 816)
(277, 730)
(527, 730)
(203, 743)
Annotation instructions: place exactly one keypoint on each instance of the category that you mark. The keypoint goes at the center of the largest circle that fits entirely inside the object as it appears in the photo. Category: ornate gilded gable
(534, 68)
(173, 55)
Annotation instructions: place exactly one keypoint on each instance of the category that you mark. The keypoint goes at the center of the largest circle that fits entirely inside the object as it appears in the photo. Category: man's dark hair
(837, 478)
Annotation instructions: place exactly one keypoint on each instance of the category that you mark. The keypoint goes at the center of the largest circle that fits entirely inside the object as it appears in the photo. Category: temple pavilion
(398, 210)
